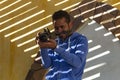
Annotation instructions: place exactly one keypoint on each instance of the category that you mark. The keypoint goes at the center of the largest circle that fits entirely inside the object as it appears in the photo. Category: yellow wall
(112, 2)
(24, 16)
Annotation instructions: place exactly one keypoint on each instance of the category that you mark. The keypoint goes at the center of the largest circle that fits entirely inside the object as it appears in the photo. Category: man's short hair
(61, 14)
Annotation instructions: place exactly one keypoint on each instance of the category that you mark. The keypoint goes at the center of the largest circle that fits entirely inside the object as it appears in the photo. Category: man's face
(62, 28)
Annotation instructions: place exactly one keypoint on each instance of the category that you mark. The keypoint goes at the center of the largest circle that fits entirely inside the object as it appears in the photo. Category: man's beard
(67, 33)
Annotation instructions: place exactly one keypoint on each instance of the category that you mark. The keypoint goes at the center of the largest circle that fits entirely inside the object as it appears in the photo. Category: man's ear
(71, 24)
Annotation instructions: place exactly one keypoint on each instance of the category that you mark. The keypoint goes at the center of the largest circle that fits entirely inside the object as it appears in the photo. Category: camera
(45, 36)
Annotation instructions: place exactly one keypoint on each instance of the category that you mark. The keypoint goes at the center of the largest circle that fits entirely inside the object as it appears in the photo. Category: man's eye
(61, 27)
(56, 28)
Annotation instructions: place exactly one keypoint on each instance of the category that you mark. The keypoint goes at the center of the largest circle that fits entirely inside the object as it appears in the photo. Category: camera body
(45, 36)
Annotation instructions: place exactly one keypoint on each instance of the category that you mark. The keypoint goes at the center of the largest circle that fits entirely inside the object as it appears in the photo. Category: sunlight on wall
(20, 21)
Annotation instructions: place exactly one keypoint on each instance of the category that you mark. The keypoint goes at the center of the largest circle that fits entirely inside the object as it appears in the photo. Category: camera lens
(43, 37)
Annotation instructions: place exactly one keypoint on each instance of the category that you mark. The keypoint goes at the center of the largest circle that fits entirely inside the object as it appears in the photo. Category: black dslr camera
(45, 36)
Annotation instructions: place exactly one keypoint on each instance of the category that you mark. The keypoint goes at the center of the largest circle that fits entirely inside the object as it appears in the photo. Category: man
(66, 56)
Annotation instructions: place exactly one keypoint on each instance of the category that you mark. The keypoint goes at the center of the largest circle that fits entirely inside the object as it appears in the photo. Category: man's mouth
(64, 32)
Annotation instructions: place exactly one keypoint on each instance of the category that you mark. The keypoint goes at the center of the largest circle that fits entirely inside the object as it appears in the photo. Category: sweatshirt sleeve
(46, 60)
(79, 57)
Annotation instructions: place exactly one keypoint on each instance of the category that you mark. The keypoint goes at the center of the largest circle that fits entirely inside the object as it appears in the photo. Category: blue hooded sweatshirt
(67, 60)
